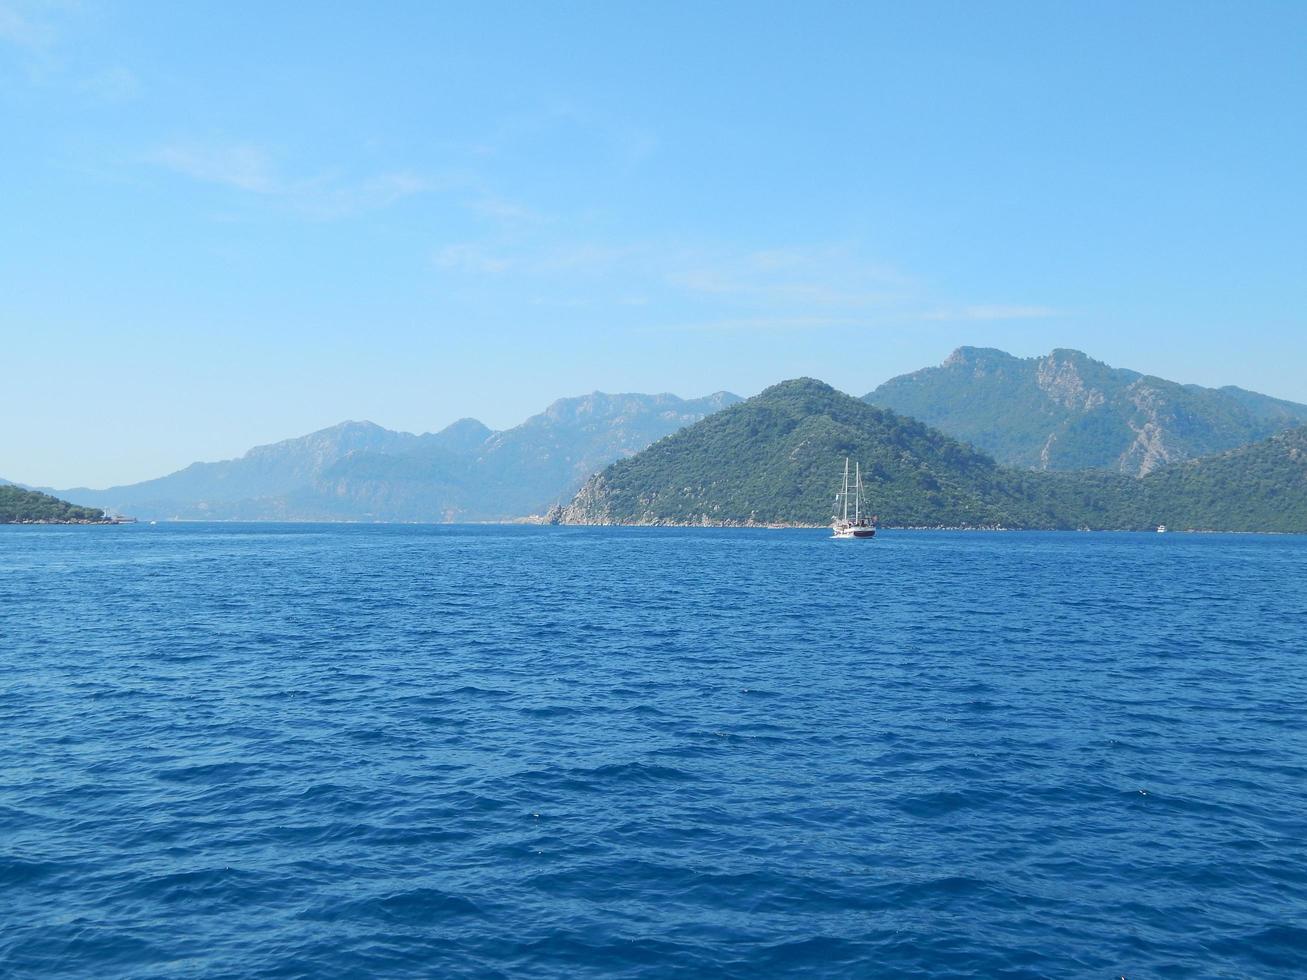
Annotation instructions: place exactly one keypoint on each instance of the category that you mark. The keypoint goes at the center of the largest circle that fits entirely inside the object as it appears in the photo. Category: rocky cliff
(1067, 411)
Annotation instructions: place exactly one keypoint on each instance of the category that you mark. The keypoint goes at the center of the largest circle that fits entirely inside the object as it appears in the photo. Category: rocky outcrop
(1059, 377)
(1148, 451)
(591, 505)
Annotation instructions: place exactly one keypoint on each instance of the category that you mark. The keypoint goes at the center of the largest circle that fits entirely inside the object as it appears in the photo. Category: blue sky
(226, 224)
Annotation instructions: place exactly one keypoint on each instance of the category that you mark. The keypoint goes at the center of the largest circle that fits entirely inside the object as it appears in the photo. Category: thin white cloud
(241, 165)
(776, 290)
(22, 30)
(338, 199)
(552, 263)
(767, 323)
(993, 312)
(788, 288)
(470, 257)
(251, 168)
(585, 258)
(826, 277)
(783, 288)
(36, 32)
(501, 209)
(116, 84)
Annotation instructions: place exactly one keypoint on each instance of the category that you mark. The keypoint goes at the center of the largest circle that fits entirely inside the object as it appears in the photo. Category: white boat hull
(853, 532)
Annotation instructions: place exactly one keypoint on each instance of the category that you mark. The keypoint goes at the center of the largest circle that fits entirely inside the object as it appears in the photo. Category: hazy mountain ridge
(263, 471)
(1067, 411)
(362, 471)
(463, 437)
(515, 472)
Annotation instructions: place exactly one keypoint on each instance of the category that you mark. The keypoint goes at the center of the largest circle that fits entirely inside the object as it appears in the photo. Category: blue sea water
(294, 750)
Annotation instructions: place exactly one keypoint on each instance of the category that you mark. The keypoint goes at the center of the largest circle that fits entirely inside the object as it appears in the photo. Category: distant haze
(360, 471)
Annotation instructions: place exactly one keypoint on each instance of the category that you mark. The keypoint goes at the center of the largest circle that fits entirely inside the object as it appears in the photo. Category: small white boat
(1161, 529)
(858, 526)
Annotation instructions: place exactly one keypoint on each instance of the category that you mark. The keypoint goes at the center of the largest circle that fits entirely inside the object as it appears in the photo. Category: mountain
(264, 471)
(461, 438)
(776, 458)
(361, 471)
(1260, 487)
(1066, 411)
(519, 471)
(19, 506)
(547, 458)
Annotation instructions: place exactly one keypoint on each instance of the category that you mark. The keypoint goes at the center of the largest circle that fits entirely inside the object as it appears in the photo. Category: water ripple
(574, 752)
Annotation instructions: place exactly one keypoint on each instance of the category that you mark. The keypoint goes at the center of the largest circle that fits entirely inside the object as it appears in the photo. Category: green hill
(776, 458)
(19, 506)
(1067, 411)
(1261, 487)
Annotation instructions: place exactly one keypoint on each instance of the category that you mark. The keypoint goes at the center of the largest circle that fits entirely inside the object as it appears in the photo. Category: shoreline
(717, 525)
(73, 522)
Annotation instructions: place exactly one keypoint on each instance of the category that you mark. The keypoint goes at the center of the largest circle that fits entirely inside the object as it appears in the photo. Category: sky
(225, 224)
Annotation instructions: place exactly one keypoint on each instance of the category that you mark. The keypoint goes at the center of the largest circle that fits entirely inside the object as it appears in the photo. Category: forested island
(19, 506)
(776, 458)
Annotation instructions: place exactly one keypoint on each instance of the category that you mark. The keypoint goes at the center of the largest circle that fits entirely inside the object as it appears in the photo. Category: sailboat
(859, 526)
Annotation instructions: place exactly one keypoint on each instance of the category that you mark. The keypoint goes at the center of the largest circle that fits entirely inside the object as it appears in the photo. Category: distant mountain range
(776, 458)
(361, 471)
(1066, 411)
(984, 439)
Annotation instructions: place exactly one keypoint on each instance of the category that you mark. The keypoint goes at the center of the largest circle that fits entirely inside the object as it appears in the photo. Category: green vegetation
(1262, 487)
(777, 458)
(19, 506)
(1066, 411)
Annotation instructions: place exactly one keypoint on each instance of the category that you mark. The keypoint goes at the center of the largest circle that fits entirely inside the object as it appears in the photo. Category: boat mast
(857, 489)
(846, 490)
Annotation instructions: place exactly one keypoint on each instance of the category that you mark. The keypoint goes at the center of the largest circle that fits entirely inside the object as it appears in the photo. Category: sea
(300, 750)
